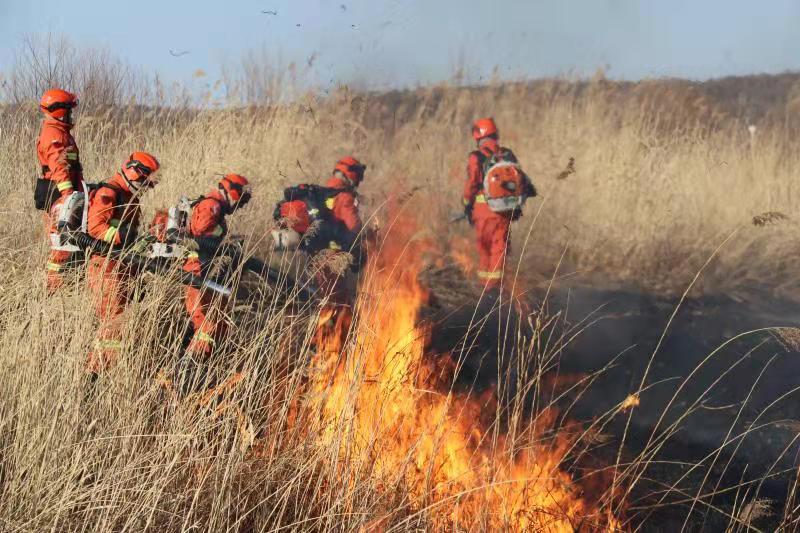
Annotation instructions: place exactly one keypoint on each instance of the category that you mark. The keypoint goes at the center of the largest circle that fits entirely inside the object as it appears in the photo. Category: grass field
(363, 430)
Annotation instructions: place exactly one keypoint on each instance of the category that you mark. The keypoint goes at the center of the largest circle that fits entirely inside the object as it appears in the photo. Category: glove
(127, 236)
(468, 213)
(516, 214)
(140, 246)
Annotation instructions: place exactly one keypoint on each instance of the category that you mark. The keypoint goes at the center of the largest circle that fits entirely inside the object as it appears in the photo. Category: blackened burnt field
(699, 397)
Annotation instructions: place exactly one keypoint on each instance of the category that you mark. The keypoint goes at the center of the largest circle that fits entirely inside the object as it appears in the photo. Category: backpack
(169, 228)
(305, 204)
(308, 210)
(74, 215)
(178, 217)
(504, 182)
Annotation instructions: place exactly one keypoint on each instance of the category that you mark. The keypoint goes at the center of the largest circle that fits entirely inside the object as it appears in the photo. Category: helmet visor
(145, 174)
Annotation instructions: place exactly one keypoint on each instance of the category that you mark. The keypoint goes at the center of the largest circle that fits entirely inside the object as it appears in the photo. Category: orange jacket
(345, 205)
(59, 157)
(208, 216)
(113, 212)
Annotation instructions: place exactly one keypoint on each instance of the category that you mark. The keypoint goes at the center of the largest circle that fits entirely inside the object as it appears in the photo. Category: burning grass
(387, 405)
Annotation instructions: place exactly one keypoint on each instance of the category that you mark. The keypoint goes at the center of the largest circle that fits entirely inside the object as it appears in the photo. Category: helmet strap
(133, 187)
(228, 201)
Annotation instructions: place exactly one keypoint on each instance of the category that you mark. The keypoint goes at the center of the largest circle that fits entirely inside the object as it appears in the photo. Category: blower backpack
(304, 207)
(73, 216)
(503, 182)
(305, 204)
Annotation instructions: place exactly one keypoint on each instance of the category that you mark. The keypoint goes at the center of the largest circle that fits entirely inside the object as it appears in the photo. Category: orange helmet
(236, 188)
(58, 104)
(139, 170)
(484, 127)
(351, 168)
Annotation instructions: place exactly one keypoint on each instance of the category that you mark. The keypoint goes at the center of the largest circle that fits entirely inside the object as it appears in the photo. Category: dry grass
(645, 202)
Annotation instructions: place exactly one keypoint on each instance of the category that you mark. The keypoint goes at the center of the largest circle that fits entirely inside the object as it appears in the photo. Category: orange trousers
(110, 288)
(204, 314)
(203, 309)
(57, 261)
(491, 232)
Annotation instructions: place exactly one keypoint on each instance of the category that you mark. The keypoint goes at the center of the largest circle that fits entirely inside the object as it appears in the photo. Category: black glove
(127, 236)
(468, 213)
(516, 214)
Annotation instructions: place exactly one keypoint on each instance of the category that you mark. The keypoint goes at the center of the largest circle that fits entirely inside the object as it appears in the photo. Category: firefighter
(346, 178)
(345, 223)
(113, 217)
(325, 223)
(490, 205)
(62, 174)
(208, 220)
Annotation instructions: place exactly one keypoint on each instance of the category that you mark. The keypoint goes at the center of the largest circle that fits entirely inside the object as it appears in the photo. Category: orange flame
(386, 405)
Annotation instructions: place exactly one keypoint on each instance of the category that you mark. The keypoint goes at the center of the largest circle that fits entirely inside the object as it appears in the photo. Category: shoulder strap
(505, 154)
(330, 192)
(479, 154)
(94, 187)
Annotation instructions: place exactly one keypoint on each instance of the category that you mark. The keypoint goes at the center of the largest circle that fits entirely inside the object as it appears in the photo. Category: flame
(386, 406)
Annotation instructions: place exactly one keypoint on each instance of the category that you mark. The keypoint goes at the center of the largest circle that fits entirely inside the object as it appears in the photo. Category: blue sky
(405, 42)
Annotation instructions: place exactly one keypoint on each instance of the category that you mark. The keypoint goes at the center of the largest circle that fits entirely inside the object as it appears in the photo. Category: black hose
(89, 243)
(92, 245)
(210, 246)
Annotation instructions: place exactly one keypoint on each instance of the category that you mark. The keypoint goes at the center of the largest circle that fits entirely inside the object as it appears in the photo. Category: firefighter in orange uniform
(332, 210)
(326, 219)
(208, 220)
(62, 173)
(492, 215)
(347, 177)
(113, 217)
(342, 203)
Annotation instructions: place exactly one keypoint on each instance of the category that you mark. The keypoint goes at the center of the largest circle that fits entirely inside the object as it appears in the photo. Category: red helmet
(484, 127)
(58, 103)
(351, 168)
(139, 169)
(236, 188)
